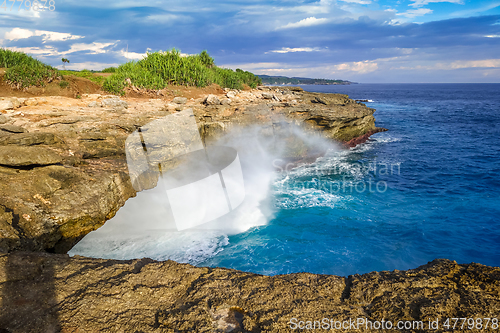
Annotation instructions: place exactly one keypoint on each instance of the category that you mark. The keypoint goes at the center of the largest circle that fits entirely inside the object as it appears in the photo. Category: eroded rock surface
(63, 169)
(55, 293)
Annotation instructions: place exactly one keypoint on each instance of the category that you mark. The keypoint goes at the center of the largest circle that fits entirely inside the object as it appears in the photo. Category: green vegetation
(85, 73)
(155, 71)
(159, 69)
(24, 71)
(279, 80)
(109, 70)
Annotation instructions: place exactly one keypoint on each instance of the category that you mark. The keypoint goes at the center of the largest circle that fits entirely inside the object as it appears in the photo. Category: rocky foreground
(55, 293)
(63, 169)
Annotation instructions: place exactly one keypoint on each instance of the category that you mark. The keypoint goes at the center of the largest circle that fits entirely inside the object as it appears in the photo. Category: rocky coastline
(63, 174)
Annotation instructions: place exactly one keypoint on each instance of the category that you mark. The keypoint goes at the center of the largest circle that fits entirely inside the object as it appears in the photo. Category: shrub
(24, 71)
(64, 84)
(158, 69)
(109, 70)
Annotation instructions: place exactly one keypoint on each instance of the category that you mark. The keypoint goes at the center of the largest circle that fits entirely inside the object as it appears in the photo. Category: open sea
(428, 188)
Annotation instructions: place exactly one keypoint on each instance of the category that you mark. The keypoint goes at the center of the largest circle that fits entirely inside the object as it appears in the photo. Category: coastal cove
(376, 201)
(398, 201)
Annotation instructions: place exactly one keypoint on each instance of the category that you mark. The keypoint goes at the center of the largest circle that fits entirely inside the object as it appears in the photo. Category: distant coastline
(284, 80)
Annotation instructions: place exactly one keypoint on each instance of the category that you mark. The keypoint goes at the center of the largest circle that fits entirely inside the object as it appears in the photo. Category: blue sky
(358, 40)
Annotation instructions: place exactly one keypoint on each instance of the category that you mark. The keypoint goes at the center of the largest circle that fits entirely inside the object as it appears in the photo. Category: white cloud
(44, 52)
(18, 33)
(415, 12)
(93, 48)
(360, 67)
(488, 63)
(55, 36)
(420, 3)
(295, 49)
(132, 55)
(96, 66)
(492, 36)
(307, 22)
(361, 2)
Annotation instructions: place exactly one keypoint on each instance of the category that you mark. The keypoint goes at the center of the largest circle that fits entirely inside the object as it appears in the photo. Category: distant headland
(283, 80)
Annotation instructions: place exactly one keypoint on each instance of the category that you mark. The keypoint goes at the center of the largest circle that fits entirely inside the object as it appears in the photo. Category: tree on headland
(64, 60)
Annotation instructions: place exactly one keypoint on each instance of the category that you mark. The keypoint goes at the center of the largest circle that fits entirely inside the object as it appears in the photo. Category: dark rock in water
(49, 292)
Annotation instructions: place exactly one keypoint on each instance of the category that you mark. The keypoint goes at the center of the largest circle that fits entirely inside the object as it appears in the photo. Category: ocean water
(428, 188)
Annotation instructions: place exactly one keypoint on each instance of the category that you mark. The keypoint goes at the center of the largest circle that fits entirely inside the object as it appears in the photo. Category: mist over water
(437, 174)
(144, 226)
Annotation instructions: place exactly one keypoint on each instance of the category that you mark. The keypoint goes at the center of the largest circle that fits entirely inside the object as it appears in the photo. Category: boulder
(31, 102)
(180, 100)
(3, 119)
(114, 103)
(212, 100)
(12, 128)
(267, 95)
(6, 105)
(231, 94)
(29, 139)
(19, 156)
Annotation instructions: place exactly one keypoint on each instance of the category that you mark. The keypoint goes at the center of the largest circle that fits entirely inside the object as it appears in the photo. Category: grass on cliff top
(85, 73)
(24, 71)
(158, 69)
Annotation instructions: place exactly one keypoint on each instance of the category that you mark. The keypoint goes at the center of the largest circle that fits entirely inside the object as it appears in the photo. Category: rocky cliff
(44, 292)
(63, 170)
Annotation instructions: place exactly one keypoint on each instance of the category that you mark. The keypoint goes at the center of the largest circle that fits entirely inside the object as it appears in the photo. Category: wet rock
(12, 128)
(27, 156)
(179, 100)
(6, 105)
(212, 100)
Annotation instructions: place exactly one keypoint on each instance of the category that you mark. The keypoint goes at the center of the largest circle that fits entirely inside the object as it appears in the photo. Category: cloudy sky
(358, 40)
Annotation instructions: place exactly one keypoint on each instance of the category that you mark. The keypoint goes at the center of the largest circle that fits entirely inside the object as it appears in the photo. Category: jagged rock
(180, 100)
(212, 100)
(44, 292)
(12, 128)
(6, 105)
(3, 119)
(27, 156)
(9, 237)
(231, 94)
